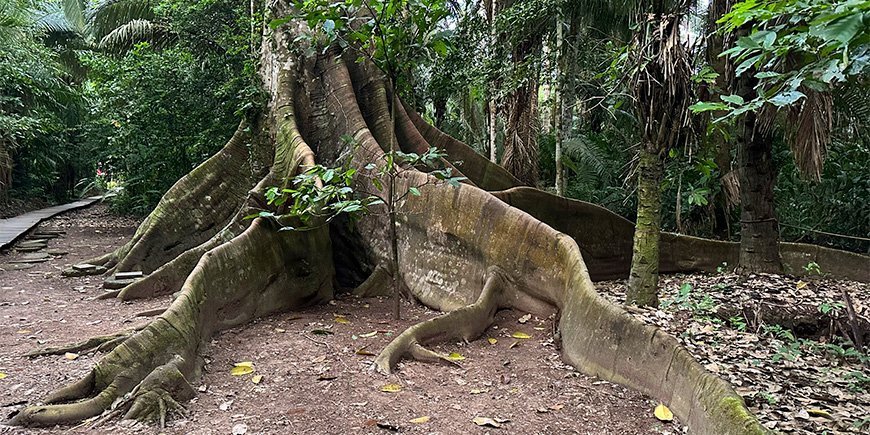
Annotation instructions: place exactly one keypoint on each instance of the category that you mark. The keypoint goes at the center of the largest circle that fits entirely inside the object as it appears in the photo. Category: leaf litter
(763, 335)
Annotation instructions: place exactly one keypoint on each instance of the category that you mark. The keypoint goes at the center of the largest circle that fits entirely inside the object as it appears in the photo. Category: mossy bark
(643, 279)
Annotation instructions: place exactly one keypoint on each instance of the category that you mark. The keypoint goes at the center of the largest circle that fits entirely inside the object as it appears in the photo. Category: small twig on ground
(315, 341)
(857, 337)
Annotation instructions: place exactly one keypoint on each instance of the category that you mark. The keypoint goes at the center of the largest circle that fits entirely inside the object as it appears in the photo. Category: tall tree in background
(521, 104)
(662, 92)
(787, 60)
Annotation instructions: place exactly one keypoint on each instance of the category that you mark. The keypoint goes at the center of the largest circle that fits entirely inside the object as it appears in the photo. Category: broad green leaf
(786, 98)
(733, 99)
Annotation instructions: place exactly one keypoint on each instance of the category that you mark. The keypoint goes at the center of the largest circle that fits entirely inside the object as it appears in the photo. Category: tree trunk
(463, 250)
(559, 103)
(644, 276)
(759, 229)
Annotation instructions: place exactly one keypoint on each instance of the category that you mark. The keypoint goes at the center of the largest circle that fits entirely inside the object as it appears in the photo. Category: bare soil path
(314, 364)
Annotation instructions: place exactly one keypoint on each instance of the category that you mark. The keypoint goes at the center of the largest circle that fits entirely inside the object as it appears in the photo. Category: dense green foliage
(140, 118)
(40, 112)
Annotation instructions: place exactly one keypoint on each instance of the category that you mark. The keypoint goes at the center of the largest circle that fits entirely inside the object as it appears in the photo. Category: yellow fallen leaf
(819, 413)
(363, 351)
(280, 330)
(341, 319)
(801, 284)
(521, 335)
(257, 379)
(391, 388)
(241, 371)
(242, 368)
(24, 331)
(420, 420)
(663, 413)
(369, 334)
(70, 356)
(455, 357)
(492, 340)
(3, 375)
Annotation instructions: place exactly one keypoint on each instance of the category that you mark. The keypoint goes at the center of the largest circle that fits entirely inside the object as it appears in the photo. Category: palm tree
(112, 26)
(661, 86)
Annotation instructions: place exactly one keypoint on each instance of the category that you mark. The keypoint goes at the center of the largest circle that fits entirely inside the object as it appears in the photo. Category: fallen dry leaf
(492, 340)
(455, 357)
(242, 368)
(3, 375)
(391, 388)
(663, 413)
(521, 335)
(70, 356)
(363, 351)
(341, 319)
(419, 420)
(257, 379)
(486, 421)
(525, 318)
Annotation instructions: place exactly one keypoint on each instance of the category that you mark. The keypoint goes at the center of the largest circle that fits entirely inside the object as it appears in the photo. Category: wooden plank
(13, 228)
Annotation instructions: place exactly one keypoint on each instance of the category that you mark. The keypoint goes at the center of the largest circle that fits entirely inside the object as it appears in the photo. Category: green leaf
(414, 191)
(841, 30)
(786, 98)
(733, 99)
(277, 22)
(705, 106)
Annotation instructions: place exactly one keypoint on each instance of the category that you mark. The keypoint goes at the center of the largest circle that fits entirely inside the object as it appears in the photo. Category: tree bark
(644, 276)
(759, 229)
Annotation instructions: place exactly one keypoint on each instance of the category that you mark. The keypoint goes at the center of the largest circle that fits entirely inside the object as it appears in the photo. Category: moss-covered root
(158, 394)
(466, 323)
(99, 343)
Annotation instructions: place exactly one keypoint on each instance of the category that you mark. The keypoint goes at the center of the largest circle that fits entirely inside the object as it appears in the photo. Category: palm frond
(74, 10)
(127, 35)
(585, 152)
(109, 15)
(810, 125)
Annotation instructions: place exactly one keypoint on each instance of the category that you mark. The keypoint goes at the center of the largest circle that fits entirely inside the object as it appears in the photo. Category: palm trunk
(644, 275)
(759, 229)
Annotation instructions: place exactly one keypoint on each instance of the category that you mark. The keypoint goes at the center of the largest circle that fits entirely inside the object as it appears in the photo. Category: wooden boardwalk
(13, 228)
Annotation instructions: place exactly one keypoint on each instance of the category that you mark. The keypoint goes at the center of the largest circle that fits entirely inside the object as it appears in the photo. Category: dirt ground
(313, 366)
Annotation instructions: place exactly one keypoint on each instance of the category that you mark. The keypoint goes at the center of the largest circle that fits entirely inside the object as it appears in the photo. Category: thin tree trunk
(644, 275)
(493, 153)
(557, 105)
(391, 204)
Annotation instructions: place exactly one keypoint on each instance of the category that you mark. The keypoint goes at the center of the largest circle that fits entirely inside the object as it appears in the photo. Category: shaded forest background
(132, 103)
